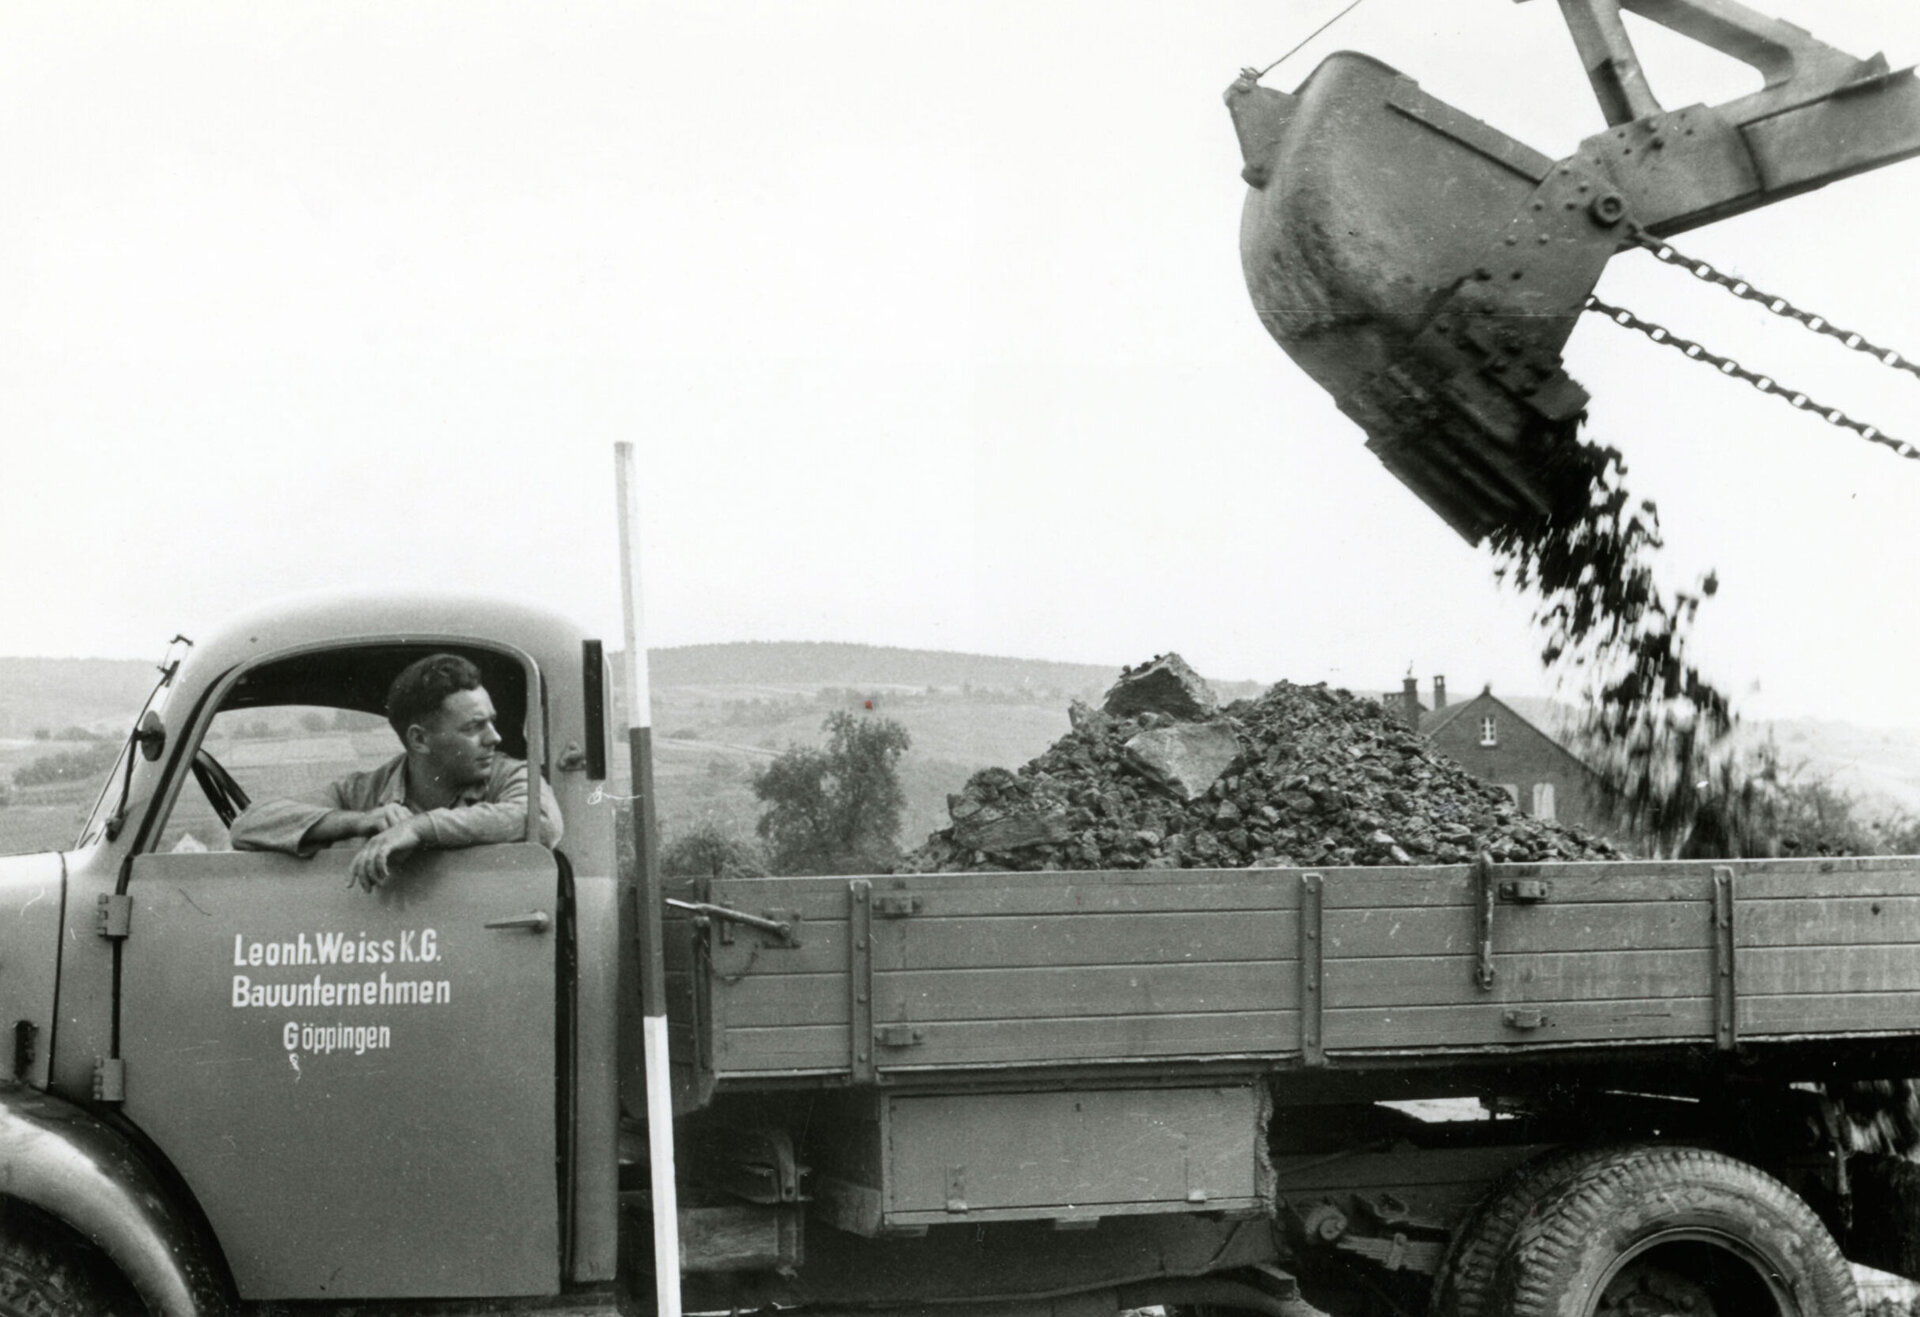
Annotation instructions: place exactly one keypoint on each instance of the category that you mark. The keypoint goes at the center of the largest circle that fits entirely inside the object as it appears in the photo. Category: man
(448, 788)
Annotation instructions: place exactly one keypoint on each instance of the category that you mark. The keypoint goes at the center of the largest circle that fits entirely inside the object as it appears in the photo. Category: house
(1496, 743)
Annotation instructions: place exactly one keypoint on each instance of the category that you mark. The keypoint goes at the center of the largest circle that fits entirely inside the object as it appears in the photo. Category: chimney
(1410, 701)
(1439, 694)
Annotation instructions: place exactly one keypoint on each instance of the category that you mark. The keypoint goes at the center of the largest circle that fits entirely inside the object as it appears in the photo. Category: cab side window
(290, 727)
(283, 750)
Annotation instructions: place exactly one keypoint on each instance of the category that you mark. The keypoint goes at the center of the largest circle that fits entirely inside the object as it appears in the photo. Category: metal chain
(1780, 306)
(1765, 383)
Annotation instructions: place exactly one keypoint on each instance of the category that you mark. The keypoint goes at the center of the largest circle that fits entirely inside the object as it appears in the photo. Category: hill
(811, 665)
(50, 694)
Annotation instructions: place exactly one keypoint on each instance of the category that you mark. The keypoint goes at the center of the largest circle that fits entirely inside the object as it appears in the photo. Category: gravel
(1320, 778)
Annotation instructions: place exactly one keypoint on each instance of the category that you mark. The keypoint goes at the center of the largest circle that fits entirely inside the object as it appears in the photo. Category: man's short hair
(423, 685)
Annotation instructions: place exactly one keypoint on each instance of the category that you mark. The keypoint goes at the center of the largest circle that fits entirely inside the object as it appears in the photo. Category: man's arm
(302, 827)
(502, 818)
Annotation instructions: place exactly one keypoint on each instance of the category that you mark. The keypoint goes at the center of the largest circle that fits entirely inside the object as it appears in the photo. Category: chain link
(1780, 306)
(1765, 383)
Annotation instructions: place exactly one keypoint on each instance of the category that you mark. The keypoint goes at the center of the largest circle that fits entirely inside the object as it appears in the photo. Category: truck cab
(318, 1092)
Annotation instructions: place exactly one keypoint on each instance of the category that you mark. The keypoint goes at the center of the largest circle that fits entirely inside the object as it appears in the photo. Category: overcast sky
(926, 319)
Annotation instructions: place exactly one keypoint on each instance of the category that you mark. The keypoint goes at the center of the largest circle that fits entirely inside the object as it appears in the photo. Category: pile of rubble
(1160, 777)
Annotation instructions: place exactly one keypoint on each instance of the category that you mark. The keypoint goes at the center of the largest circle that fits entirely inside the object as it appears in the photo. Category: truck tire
(42, 1276)
(1463, 1286)
(1673, 1229)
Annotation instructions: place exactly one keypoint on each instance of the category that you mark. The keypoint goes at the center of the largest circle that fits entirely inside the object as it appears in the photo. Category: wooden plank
(1027, 893)
(1123, 1037)
(1787, 971)
(818, 1049)
(1432, 931)
(992, 994)
(1389, 889)
(1084, 990)
(1847, 921)
(922, 942)
(1863, 1013)
(1476, 1024)
(1816, 884)
(770, 1001)
(1104, 893)
(1607, 975)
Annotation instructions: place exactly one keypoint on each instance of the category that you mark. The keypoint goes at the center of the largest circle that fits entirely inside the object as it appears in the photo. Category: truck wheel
(43, 1277)
(1464, 1284)
(1659, 1230)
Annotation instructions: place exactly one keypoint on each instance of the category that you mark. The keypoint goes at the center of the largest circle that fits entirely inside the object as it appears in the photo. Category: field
(726, 713)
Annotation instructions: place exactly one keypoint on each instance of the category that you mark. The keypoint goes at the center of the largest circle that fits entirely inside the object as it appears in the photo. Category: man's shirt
(493, 812)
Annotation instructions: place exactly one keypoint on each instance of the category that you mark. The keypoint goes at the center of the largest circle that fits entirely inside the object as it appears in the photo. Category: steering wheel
(222, 792)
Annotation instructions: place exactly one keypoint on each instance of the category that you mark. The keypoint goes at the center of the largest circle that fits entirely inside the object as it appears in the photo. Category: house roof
(1433, 722)
(1544, 716)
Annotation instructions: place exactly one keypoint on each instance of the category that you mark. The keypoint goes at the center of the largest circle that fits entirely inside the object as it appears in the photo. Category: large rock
(1186, 757)
(998, 813)
(1165, 686)
(997, 830)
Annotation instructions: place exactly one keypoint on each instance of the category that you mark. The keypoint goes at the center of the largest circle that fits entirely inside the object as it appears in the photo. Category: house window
(1543, 800)
(1513, 791)
(1486, 731)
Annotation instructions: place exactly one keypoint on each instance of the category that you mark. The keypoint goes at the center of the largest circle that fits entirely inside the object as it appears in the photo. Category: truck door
(360, 1089)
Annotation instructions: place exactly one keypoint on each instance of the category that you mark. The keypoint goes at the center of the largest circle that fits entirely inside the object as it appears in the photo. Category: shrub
(708, 851)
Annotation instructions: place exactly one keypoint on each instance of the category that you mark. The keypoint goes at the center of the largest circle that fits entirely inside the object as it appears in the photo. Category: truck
(238, 1084)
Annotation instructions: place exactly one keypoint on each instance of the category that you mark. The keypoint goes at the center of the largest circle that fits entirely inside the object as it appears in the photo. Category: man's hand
(371, 865)
(377, 820)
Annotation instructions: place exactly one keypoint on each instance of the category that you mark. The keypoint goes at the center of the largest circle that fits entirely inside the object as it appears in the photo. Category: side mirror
(151, 735)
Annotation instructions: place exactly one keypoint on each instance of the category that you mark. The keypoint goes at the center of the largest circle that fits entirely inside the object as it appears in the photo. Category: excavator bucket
(1391, 248)
(1427, 269)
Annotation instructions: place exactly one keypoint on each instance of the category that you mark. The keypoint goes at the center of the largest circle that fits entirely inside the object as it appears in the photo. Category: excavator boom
(1426, 269)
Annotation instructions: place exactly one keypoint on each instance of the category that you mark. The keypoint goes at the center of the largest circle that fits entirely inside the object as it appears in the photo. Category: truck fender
(83, 1172)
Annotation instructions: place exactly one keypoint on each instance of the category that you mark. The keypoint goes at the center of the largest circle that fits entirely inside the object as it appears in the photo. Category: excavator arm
(1426, 269)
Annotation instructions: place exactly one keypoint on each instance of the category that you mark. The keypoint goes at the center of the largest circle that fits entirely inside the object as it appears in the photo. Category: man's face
(459, 739)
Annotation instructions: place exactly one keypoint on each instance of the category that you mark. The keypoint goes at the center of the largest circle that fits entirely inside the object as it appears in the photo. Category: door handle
(536, 921)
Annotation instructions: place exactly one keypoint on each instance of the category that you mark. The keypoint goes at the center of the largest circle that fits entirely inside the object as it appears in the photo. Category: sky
(926, 322)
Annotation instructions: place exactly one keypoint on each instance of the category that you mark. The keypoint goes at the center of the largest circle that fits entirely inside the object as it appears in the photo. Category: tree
(835, 810)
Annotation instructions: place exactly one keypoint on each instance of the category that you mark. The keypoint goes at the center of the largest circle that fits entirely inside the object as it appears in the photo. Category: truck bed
(901, 977)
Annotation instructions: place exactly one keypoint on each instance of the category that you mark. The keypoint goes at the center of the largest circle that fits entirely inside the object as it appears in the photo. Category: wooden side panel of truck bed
(896, 975)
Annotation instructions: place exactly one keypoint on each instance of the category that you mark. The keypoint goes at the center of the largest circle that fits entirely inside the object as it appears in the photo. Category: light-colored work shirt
(493, 812)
